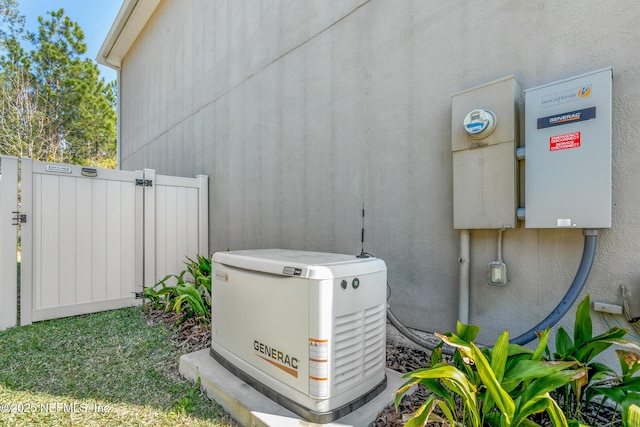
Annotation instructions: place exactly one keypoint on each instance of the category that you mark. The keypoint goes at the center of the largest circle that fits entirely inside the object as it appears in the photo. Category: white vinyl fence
(8, 243)
(92, 238)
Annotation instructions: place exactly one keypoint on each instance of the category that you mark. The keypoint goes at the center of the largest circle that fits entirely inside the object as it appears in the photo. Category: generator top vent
(309, 265)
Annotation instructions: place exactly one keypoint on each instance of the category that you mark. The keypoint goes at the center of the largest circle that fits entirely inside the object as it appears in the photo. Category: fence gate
(92, 238)
(8, 242)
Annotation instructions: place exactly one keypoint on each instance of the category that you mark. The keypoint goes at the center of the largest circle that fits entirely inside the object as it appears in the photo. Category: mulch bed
(403, 360)
(188, 336)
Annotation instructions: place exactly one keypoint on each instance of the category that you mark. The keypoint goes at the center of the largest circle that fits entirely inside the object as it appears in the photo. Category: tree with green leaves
(54, 106)
(11, 22)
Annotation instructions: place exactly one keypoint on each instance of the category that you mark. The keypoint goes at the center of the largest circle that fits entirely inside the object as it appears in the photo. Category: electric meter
(479, 123)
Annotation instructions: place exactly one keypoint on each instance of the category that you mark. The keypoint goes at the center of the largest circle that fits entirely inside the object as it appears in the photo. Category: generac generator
(306, 329)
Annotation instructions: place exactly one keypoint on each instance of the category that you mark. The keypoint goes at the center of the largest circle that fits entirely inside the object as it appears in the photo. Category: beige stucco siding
(301, 111)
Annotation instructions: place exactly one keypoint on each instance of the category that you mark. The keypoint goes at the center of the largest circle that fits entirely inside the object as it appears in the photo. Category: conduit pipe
(588, 255)
(463, 298)
(415, 337)
(463, 286)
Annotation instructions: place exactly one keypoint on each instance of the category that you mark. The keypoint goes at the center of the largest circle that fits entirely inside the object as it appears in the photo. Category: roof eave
(129, 23)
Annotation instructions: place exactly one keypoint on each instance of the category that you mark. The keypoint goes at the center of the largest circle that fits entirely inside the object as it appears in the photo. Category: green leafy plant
(507, 384)
(186, 404)
(190, 294)
(501, 386)
(625, 389)
(599, 380)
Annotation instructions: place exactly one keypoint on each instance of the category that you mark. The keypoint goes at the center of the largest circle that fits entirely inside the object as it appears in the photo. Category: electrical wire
(430, 345)
(388, 286)
(633, 321)
(408, 333)
(422, 342)
(606, 322)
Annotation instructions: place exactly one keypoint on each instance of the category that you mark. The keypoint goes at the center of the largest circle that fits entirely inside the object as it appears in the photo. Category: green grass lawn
(110, 368)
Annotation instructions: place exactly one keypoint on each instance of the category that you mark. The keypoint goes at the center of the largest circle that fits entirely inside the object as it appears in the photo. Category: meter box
(568, 152)
(484, 129)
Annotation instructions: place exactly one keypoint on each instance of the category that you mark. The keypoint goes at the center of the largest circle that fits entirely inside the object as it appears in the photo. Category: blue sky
(94, 16)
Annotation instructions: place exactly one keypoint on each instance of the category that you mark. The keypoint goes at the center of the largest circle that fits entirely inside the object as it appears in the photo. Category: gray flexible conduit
(588, 255)
(415, 337)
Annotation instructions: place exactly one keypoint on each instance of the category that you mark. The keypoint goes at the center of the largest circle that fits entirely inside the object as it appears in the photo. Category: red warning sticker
(564, 141)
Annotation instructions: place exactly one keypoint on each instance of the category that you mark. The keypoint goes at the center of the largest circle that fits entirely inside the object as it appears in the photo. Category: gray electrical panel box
(568, 152)
(484, 129)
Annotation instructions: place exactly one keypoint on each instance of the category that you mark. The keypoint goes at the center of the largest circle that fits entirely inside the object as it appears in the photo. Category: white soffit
(131, 19)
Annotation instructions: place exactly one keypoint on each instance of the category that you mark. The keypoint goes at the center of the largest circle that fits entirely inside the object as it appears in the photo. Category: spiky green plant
(501, 386)
(506, 384)
(190, 294)
(600, 380)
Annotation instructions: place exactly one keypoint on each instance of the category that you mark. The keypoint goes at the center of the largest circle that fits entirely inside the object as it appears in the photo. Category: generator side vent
(374, 338)
(358, 340)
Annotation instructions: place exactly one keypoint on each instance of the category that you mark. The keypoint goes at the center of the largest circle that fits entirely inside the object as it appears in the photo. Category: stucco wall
(300, 112)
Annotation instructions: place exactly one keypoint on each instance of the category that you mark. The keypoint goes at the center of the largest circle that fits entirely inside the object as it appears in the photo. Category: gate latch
(19, 218)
